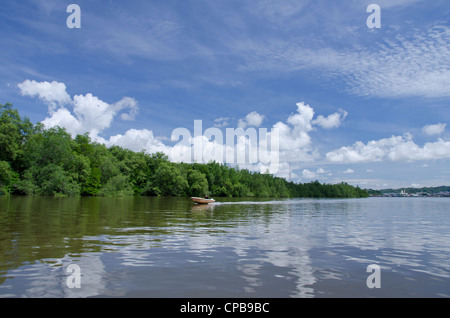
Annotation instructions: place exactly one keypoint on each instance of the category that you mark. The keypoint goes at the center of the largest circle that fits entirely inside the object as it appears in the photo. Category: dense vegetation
(38, 161)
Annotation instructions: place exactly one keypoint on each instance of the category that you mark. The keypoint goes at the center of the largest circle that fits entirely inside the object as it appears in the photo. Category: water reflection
(159, 247)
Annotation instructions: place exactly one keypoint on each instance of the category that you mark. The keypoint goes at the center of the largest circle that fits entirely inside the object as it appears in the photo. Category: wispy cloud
(221, 122)
(388, 4)
(413, 65)
(417, 63)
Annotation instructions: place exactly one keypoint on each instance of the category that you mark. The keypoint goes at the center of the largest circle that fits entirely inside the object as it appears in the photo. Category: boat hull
(202, 200)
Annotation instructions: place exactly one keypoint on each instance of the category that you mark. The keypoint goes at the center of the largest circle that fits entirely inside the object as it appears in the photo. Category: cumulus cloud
(52, 93)
(293, 135)
(294, 142)
(89, 113)
(395, 148)
(332, 121)
(254, 119)
(296, 135)
(291, 138)
(138, 140)
(435, 129)
(64, 118)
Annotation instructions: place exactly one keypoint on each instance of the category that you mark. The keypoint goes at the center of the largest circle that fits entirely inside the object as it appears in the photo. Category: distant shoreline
(441, 191)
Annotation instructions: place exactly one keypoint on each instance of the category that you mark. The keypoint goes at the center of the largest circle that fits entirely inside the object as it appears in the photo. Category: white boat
(202, 200)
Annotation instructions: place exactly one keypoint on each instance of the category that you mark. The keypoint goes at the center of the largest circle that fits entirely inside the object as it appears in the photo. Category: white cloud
(416, 64)
(302, 120)
(63, 118)
(221, 122)
(254, 119)
(138, 140)
(348, 171)
(332, 121)
(53, 93)
(294, 134)
(435, 129)
(294, 139)
(127, 103)
(295, 143)
(395, 148)
(93, 114)
(375, 150)
(89, 113)
(308, 174)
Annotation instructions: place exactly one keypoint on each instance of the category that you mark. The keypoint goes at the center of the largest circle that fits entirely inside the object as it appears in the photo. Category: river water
(169, 247)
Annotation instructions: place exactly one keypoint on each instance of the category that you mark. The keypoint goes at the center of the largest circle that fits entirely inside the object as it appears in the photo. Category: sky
(348, 102)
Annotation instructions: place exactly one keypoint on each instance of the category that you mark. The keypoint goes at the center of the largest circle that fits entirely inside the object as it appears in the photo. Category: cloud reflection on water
(295, 248)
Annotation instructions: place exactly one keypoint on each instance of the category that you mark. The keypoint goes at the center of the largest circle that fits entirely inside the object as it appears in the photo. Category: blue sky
(365, 106)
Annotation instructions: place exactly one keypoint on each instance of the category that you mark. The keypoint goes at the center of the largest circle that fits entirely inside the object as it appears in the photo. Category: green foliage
(14, 131)
(117, 186)
(26, 184)
(8, 178)
(55, 181)
(93, 183)
(198, 185)
(168, 180)
(38, 161)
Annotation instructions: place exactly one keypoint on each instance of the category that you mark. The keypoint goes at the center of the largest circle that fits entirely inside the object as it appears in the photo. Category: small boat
(202, 200)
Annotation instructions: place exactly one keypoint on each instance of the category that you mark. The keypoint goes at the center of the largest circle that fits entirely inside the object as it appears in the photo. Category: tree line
(427, 190)
(39, 161)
